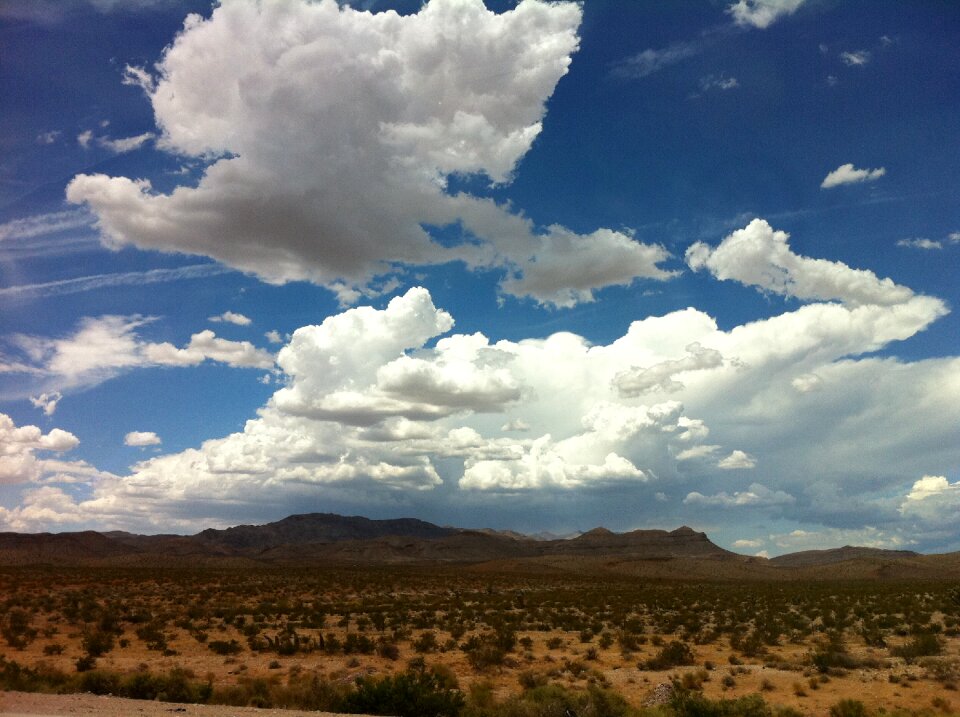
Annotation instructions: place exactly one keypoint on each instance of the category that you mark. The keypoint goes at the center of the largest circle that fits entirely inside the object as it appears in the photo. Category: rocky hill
(317, 539)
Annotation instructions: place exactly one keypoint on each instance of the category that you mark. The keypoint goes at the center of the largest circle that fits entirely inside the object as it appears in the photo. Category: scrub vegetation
(458, 641)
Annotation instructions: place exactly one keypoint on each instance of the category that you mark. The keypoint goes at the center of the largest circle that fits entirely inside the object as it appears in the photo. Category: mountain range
(318, 539)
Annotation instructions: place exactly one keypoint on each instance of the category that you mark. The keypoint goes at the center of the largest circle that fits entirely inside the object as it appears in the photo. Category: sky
(520, 265)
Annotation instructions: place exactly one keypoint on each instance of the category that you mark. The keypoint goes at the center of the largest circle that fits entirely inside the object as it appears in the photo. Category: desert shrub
(387, 649)
(673, 654)
(41, 678)
(355, 643)
(832, 654)
(54, 648)
(97, 642)
(849, 708)
(152, 634)
(222, 647)
(413, 693)
(98, 682)
(689, 703)
(16, 629)
(551, 701)
(924, 644)
(427, 642)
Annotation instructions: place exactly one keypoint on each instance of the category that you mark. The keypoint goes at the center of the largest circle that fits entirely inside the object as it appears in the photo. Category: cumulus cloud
(848, 174)
(232, 318)
(759, 256)
(19, 446)
(384, 404)
(933, 501)
(868, 536)
(737, 460)
(756, 495)
(47, 402)
(141, 438)
(332, 134)
(639, 380)
(761, 13)
(747, 543)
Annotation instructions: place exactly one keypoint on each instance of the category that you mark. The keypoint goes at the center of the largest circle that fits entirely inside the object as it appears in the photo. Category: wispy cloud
(43, 224)
(857, 58)
(848, 174)
(652, 60)
(718, 82)
(102, 281)
(920, 243)
(125, 144)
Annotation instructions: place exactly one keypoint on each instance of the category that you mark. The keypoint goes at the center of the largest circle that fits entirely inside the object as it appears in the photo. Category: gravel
(19, 704)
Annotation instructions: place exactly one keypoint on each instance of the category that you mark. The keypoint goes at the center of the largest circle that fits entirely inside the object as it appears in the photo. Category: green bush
(921, 645)
(849, 708)
(413, 693)
(673, 654)
(222, 647)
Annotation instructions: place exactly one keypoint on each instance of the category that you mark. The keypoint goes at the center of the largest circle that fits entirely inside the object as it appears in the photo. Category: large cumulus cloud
(331, 135)
(788, 417)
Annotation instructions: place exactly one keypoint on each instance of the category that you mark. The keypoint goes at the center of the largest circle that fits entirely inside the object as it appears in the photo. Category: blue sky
(519, 265)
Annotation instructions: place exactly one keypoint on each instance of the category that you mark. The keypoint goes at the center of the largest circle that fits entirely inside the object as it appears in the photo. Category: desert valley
(401, 616)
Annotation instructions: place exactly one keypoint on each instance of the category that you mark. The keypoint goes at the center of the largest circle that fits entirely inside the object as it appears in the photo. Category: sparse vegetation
(480, 645)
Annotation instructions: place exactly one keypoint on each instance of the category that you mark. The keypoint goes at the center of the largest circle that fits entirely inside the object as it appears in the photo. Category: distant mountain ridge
(317, 539)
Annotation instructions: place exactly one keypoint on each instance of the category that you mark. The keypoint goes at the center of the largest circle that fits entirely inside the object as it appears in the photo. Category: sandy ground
(13, 704)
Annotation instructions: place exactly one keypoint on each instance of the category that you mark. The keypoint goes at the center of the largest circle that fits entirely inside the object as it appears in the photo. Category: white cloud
(759, 256)
(18, 448)
(274, 337)
(857, 58)
(747, 543)
(141, 438)
(84, 138)
(515, 425)
(920, 243)
(954, 237)
(847, 174)
(827, 538)
(125, 144)
(47, 402)
(44, 224)
(382, 405)
(653, 60)
(807, 383)
(101, 281)
(737, 460)
(231, 318)
(105, 346)
(756, 495)
(568, 267)
(332, 146)
(930, 486)
(139, 77)
(49, 137)
(761, 13)
(718, 82)
(639, 380)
